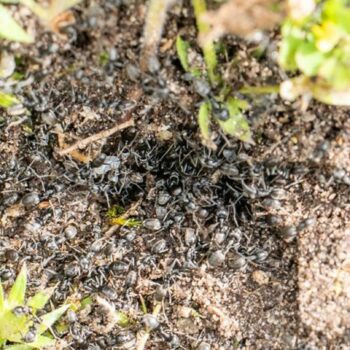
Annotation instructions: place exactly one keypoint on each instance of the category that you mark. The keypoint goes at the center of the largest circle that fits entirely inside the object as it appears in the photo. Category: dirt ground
(244, 248)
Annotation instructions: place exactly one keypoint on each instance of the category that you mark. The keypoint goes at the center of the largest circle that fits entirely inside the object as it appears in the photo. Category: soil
(246, 247)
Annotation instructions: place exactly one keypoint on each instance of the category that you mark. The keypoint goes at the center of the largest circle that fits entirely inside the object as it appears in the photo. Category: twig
(155, 20)
(93, 138)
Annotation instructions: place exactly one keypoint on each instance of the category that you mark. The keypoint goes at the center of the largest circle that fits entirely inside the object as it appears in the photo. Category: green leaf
(42, 342)
(204, 121)
(208, 48)
(331, 96)
(309, 59)
(115, 211)
(237, 125)
(211, 62)
(61, 327)
(9, 1)
(196, 72)
(42, 12)
(123, 319)
(85, 302)
(2, 299)
(7, 100)
(39, 300)
(18, 290)
(338, 12)
(104, 58)
(335, 73)
(13, 327)
(292, 38)
(182, 47)
(10, 29)
(18, 347)
(49, 319)
(288, 49)
(125, 222)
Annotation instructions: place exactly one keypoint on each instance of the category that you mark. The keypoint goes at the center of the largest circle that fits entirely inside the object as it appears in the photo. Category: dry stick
(152, 32)
(93, 138)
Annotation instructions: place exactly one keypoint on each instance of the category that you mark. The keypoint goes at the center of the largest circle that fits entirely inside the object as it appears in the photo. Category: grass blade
(49, 319)
(18, 290)
(42, 342)
(204, 119)
(2, 299)
(39, 300)
(181, 48)
(10, 29)
(208, 48)
(18, 347)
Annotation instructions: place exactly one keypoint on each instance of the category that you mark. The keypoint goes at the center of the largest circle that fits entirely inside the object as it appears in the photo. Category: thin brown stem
(96, 137)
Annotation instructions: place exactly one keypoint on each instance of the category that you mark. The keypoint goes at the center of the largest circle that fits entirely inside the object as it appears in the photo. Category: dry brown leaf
(60, 21)
(241, 17)
(76, 155)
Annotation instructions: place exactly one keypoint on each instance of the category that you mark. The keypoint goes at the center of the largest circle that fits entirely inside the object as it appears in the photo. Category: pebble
(163, 198)
(260, 277)
(70, 232)
(109, 163)
(190, 236)
(133, 72)
(152, 224)
(159, 246)
(7, 65)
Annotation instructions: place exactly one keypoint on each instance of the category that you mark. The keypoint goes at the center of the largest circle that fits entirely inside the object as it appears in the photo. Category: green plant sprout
(12, 31)
(208, 47)
(20, 326)
(234, 122)
(316, 43)
(117, 216)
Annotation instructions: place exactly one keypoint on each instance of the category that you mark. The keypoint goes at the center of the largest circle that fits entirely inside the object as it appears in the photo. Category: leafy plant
(316, 43)
(224, 109)
(20, 326)
(12, 31)
(208, 47)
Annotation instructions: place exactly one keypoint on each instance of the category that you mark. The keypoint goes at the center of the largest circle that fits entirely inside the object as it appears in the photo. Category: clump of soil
(246, 247)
